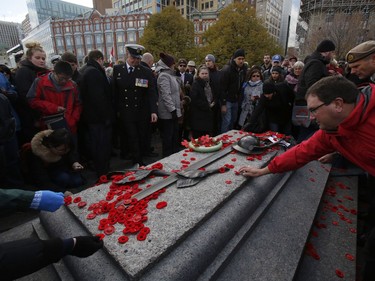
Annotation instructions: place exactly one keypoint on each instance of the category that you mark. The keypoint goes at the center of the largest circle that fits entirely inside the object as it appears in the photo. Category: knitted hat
(239, 53)
(325, 46)
(361, 51)
(210, 57)
(269, 88)
(277, 69)
(167, 59)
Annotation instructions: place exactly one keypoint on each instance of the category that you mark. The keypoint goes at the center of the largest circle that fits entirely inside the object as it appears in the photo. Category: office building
(41, 10)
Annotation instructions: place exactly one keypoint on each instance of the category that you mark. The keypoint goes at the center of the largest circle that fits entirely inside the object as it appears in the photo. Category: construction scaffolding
(335, 6)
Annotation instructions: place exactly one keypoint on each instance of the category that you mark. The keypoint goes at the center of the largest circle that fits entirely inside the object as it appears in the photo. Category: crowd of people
(54, 119)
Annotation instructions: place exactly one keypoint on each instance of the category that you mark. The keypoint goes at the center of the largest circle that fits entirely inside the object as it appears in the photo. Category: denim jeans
(230, 117)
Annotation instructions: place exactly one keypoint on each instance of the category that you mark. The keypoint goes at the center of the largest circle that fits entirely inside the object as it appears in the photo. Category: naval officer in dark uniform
(135, 93)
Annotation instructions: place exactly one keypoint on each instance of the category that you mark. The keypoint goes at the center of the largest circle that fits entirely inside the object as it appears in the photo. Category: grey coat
(169, 92)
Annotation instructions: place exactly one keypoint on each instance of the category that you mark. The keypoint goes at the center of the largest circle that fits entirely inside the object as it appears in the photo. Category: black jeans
(99, 139)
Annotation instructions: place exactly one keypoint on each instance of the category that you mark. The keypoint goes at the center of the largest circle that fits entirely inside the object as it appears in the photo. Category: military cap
(361, 51)
(135, 50)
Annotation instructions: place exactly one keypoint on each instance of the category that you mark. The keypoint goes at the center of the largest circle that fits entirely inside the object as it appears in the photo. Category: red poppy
(77, 199)
(353, 230)
(109, 229)
(141, 236)
(222, 170)
(158, 166)
(349, 257)
(91, 216)
(339, 273)
(161, 205)
(233, 159)
(82, 204)
(103, 179)
(100, 235)
(193, 159)
(68, 200)
(335, 223)
(228, 181)
(123, 239)
(185, 143)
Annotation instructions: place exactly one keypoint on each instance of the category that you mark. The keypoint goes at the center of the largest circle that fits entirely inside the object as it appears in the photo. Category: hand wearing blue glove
(46, 200)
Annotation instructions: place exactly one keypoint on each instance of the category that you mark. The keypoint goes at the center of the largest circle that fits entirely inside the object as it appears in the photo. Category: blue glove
(47, 200)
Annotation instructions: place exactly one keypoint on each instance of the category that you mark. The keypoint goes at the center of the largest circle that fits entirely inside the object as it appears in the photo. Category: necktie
(130, 69)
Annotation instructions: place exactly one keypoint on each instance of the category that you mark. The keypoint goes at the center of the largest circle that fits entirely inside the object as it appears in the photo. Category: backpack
(7, 120)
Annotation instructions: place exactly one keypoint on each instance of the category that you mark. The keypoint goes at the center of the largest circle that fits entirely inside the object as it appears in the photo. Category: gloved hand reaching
(47, 200)
(85, 246)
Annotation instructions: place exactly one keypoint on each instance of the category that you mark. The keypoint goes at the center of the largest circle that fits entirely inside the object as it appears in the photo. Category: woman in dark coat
(202, 102)
(31, 67)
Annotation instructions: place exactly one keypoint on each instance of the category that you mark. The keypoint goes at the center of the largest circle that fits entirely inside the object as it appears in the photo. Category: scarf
(208, 92)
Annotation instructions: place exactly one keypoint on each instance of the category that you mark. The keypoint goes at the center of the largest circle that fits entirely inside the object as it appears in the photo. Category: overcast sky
(16, 10)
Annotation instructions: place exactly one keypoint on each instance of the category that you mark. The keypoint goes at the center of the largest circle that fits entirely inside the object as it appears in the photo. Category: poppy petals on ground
(161, 205)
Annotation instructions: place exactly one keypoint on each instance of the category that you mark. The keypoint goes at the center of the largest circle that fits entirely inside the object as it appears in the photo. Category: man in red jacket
(346, 118)
(56, 92)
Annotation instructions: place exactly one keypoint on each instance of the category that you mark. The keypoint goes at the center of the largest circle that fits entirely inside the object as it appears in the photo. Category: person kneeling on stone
(50, 160)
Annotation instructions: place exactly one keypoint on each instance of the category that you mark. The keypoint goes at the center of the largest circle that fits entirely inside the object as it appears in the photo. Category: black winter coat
(201, 115)
(314, 70)
(278, 109)
(96, 94)
(231, 82)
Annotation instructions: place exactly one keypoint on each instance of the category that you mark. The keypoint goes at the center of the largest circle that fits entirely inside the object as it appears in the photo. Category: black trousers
(169, 136)
(137, 137)
(99, 141)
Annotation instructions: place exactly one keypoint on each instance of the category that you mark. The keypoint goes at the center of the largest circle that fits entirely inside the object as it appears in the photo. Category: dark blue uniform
(136, 100)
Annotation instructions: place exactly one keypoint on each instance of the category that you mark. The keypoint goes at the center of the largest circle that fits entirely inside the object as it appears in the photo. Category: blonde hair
(33, 47)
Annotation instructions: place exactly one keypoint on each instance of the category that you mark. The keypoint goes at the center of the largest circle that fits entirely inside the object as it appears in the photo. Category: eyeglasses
(314, 109)
(182, 65)
(256, 75)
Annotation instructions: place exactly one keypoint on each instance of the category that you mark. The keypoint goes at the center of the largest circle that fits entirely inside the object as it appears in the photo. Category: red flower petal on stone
(222, 170)
(348, 197)
(161, 205)
(349, 257)
(100, 235)
(82, 204)
(123, 239)
(228, 181)
(233, 159)
(109, 229)
(185, 154)
(141, 236)
(353, 211)
(237, 173)
(91, 216)
(193, 159)
(158, 166)
(353, 230)
(103, 179)
(312, 179)
(77, 199)
(339, 273)
(68, 200)
(185, 143)
(335, 223)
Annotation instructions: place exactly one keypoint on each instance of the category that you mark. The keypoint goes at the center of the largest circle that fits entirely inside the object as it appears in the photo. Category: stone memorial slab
(187, 208)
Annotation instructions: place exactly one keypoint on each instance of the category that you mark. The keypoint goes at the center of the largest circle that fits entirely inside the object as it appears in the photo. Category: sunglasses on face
(182, 65)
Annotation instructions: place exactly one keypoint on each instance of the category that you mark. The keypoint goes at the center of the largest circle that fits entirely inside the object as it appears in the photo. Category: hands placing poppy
(254, 172)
